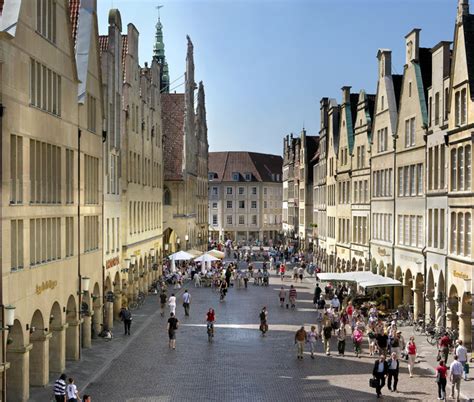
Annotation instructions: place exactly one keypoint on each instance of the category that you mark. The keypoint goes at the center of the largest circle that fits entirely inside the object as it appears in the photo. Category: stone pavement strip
(239, 365)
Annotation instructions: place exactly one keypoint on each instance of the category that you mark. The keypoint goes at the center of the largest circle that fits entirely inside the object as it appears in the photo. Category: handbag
(438, 357)
(373, 382)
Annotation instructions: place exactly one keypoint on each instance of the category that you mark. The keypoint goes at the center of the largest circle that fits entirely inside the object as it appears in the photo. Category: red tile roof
(262, 167)
(103, 43)
(74, 6)
(172, 115)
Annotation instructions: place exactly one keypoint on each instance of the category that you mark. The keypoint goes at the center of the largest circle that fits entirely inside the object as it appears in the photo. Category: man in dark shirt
(379, 372)
(317, 293)
(382, 343)
(172, 327)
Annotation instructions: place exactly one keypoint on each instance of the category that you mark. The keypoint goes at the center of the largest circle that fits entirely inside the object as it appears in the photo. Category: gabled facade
(382, 167)
(460, 188)
(410, 154)
(360, 182)
(333, 136)
(437, 182)
(343, 179)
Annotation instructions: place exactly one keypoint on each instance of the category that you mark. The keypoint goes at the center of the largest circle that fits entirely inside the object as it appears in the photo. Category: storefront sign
(45, 286)
(461, 275)
(359, 253)
(112, 262)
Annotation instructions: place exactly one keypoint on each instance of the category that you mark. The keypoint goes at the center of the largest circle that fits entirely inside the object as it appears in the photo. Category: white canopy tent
(205, 261)
(364, 279)
(179, 256)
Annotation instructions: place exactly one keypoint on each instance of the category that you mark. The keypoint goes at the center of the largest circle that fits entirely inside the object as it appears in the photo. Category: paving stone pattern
(240, 365)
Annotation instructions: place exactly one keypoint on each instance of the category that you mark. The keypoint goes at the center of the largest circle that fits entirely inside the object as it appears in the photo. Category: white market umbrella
(205, 260)
(181, 256)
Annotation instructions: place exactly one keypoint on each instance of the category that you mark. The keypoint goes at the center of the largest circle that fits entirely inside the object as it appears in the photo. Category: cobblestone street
(240, 364)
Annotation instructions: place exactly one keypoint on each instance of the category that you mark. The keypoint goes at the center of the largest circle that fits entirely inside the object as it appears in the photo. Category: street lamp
(186, 238)
(178, 241)
(85, 282)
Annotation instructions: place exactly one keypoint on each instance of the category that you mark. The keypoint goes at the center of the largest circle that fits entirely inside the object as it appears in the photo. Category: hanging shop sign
(112, 262)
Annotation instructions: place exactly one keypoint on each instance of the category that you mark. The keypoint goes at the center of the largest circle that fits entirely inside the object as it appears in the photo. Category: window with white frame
(410, 230)
(45, 88)
(69, 236)
(91, 233)
(16, 244)
(16, 169)
(229, 190)
(46, 19)
(214, 220)
(410, 180)
(241, 220)
(45, 240)
(45, 173)
(229, 204)
(410, 132)
(229, 219)
(460, 165)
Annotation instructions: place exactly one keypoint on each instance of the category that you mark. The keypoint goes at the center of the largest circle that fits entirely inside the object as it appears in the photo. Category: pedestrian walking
(263, 321)
(59, 388)
(335, 303)
(317, 294)
(126, 316)
(172, 328)
(397, 343)
(461, 353)
(441, 380)
(411, 351)
(246, 279)
(295, 273)
(300, 339)
(341, 339)
(163, 299)
(393, 370)
(379, 372)
(381, 340)
(312, 336)
(301, 273)
(456, 370)
(292, 296)
(172, 304)
(72, 393)
(443, 347)
(186, 302)
(282, 296)
(357, 338)
(282, 271)
(327, 331)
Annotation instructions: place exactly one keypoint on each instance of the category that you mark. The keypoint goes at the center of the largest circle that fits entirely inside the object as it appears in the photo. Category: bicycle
(210, 331)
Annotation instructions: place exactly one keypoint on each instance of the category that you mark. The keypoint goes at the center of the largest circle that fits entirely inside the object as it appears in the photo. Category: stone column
(18, 375)
(117, 304)
(406, 295)
(465, 328)
(86, 332)
(439, 312)
(109, 314)
(72, 340)
(57, 349)
(39, 360)
(430, 306)
(417, 302)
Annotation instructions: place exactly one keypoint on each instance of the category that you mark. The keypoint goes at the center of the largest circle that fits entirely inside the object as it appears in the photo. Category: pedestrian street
(240, 364)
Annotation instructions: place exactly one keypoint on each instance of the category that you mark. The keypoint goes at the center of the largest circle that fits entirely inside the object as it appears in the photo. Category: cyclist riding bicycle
(210, 319)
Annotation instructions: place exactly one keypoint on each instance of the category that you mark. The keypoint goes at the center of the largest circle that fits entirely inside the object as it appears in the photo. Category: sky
(266, 64)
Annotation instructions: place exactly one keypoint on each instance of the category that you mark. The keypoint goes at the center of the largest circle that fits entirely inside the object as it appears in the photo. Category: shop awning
(363, 279)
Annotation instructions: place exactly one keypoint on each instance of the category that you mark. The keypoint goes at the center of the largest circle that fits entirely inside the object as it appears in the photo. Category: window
(254, 190)
(229, 204)
(16, 244)
(235, 176)
(46, 19)
(45, 88)
(454, 236)
(91, 113)
(241, 204)
(436, 107)
(91, 233)
(409, 132)
(214, 205)
(214, 220)
(254, 219)
(241, 220)
(91, 180)
(16, 169)
(215, 191)
(253, 205)
(461, 168)
(265, 204)
(45, 240)
(107, 236)
(229, 219)
(264, 191)
(248, 176)
(69, 236)
(229, 190)
(241, 190)
(45, 173)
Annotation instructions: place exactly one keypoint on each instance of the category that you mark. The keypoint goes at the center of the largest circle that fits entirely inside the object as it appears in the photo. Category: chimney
(463, 10)
(346, 94)
(412, 41)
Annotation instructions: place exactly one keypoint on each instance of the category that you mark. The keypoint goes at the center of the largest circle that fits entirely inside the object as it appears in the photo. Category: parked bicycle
(140, 300)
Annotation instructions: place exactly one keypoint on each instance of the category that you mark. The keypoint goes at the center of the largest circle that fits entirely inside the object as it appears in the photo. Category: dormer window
(248, 176)
(235, 176)
(211, 176)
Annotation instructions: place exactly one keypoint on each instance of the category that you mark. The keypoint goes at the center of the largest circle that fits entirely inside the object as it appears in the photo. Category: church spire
(159, 55)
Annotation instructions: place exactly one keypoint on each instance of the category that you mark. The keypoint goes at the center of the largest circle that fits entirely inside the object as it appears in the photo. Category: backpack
(126, 315)
(262, 316)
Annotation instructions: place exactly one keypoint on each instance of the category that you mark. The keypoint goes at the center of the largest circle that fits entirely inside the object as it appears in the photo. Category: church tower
(159, 56)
